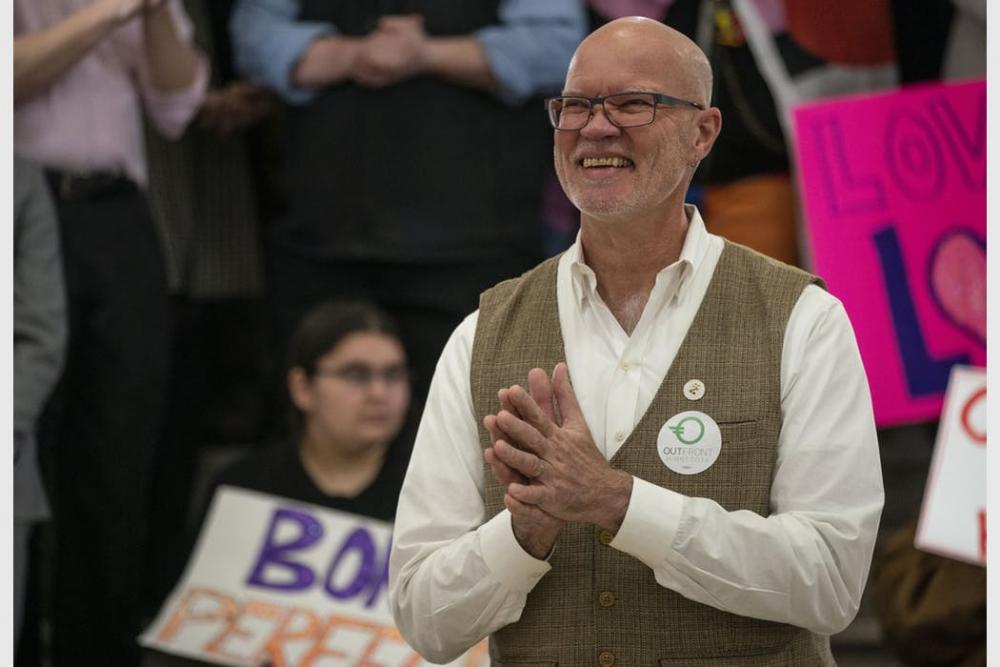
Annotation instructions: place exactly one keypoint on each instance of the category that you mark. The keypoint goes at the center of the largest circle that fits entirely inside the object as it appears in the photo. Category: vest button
(606, 659)
(605, 537)
(606, 599)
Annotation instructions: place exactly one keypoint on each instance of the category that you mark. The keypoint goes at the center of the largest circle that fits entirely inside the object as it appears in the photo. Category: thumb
(569, 408)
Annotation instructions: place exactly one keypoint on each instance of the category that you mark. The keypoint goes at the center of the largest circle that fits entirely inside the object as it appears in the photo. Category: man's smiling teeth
(589, 162)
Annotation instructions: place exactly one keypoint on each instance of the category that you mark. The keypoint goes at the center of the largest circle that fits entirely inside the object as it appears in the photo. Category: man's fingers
(506, 403)
(524, 434)
(541, 391)
(529, 494)
(517, 508)
(569, 408)
(520, 461)
(490, 422)
(530, 411)
(504, 473)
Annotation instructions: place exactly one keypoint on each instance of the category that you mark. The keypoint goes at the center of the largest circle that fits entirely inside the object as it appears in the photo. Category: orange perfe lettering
(225, 611)
(233, 629)
(335, 623)
(387, 635)
(282, 634)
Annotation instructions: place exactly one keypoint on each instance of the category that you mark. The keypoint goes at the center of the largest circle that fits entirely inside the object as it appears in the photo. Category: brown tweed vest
(599, 606)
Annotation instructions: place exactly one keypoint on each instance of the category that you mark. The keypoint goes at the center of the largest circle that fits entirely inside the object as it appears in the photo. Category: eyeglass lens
(623, 110)
(360, 375)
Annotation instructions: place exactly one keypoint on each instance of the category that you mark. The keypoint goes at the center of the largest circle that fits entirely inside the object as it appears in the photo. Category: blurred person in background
(348, 385)
(203, 192)
(84, 73)
(414, 153)
(39, 349)
(932, 609)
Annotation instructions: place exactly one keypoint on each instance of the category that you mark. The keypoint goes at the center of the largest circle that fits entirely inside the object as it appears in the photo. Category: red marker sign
(953, 518)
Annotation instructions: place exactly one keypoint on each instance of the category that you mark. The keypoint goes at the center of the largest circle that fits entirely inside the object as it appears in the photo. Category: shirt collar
(696, 241)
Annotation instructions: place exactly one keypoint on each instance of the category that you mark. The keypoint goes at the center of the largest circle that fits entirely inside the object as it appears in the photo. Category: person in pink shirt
(85, 72)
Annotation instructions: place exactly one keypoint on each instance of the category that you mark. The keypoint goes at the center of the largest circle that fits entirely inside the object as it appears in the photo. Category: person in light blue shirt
(415, 153)
(528, 50)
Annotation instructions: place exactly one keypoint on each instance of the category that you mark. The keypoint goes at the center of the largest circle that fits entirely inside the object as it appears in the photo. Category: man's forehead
(612, 74)
(633, 54)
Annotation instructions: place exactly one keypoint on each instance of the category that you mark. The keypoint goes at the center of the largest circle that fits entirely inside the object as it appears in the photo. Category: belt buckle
(77, 187)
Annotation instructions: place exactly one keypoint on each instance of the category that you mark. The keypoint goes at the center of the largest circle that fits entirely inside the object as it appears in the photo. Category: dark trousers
(427, 300)
(102, 425)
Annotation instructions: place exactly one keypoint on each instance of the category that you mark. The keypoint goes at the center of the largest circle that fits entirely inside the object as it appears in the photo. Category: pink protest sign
(894, 193)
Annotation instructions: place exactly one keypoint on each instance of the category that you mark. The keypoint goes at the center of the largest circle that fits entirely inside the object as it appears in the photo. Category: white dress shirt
(455, 577)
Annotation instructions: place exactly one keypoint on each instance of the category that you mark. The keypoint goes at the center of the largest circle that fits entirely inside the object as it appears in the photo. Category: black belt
(68, 186)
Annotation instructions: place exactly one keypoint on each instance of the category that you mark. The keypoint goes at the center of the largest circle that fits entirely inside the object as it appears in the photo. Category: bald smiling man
(656, 448)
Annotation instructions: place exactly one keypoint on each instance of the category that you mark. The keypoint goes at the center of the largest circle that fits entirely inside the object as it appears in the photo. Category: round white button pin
(694, 389)
(689, 442)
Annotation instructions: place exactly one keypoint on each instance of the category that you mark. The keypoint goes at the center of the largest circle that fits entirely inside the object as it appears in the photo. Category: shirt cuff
(651, 522)
(289, 49)
(512, 566)
(267, 50)
(514, 86)
(172, 111)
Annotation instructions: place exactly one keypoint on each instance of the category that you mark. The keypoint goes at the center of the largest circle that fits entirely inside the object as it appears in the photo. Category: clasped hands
(393, 52)
(544, 455)
(123, 10)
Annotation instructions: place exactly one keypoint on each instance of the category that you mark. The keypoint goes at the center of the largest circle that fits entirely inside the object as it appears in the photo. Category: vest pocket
(738, 431)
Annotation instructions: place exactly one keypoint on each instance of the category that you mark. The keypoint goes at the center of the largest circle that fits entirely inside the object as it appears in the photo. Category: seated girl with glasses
(349, 388)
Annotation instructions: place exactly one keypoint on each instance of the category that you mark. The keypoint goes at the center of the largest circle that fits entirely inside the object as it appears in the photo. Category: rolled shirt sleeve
(268, 41)
(171, 111)
(530, 49)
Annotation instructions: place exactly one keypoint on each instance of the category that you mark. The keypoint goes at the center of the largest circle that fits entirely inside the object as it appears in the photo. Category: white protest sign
(274, 581)
(953, 517)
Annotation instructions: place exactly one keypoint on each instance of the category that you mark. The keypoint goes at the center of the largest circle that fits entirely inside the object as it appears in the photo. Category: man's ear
(709, 126)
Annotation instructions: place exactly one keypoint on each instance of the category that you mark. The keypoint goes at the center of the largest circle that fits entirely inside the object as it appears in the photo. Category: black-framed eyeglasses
(361, 376)
(573, 112)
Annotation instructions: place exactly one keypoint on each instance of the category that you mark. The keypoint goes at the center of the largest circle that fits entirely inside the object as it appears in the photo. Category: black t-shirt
(278, 470)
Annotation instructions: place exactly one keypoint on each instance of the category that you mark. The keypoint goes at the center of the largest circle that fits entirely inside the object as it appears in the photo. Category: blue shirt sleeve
(268, 41)
(530, 49)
